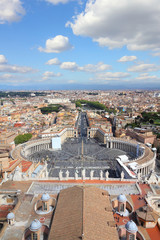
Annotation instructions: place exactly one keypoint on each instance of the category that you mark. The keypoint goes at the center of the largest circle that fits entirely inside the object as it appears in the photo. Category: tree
(21, 138)
(94, 105)
(51, 108)
(151, 121)
(78, 104)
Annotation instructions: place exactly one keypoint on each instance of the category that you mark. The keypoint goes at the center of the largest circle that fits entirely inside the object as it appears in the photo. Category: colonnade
(125, 146)
(142, 168)
(139, 152)
(145, 169)
(40, 147)
(36, 147)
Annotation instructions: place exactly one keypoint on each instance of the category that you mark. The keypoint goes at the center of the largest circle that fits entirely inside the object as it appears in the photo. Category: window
(35, 237)
(131, 237)
(122, 208)
(45, 206)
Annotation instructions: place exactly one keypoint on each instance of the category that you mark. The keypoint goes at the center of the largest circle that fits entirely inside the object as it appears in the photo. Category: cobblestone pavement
(54, 188)
(95, 156)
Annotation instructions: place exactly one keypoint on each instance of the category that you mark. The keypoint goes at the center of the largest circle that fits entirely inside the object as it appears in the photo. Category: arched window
(35, 236)
(122, 208)
(45, 206)
(131, 237)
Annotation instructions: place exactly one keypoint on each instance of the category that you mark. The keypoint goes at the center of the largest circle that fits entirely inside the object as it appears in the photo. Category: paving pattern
(55, 188)
(95, 156)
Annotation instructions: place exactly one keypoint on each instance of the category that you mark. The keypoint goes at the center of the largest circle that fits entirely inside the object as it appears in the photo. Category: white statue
(67, 175)
(101, 175)
(5, 176)
(24, 176)
(91, 174)
(60, 175)
(107, 175)
(83, 174)
(46, 173)
(152, 178)
(76, 175)
(17, 176)
(46, 170)
(11, 176)
(122, 176)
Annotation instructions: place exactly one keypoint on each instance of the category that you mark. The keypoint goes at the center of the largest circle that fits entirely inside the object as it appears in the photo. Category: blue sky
(75, 44)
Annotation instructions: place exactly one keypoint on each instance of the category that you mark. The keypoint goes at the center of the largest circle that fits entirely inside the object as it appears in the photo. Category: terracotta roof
(146, 213)
(4, 210)
(12, 162)
(144, 233)
(26, 165)
(67, 222)
(83, 213)
(154, 233)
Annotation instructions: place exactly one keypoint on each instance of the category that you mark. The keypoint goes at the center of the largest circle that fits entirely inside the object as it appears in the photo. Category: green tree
(51, 108)
(94, 105)
(151, 121)
(78, 104)
(21, 138)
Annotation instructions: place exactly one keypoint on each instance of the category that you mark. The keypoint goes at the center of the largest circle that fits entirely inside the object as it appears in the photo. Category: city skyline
(69, 44)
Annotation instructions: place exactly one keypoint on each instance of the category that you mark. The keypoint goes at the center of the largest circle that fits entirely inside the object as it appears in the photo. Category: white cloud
(127, 59)
(11, 11)
(144, 68)
(147, 77)
(5, 76)
(109, 76)
(48, 75)
(117, 23)
(53, 61)
(58, 1)
(14, 79)
(15, 69)
(99, 67)
(56, 45)
(156, 54)
(69, 66)
(8, 68)
(91, 68)
(3, 59)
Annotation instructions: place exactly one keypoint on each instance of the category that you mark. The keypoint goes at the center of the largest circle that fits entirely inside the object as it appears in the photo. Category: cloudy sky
(79, 44)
